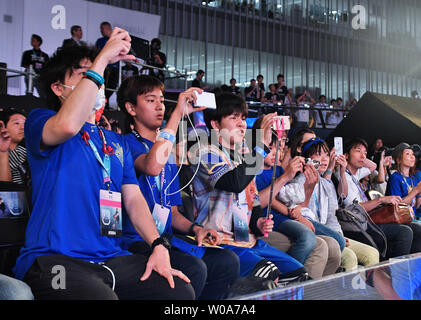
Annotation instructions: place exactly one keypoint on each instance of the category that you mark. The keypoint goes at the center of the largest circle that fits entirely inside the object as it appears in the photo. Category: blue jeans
(304, 240)
(13, 289)
(322, 230)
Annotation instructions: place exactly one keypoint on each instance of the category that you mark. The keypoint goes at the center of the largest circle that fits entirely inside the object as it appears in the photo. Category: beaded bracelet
(95, 77)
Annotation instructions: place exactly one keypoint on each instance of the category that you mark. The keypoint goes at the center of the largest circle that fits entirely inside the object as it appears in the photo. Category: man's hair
(133, 87)
(74, 28)
(233, 79)
(259, 76)
(353, 143)
(105, 23)
(156, 40)
(280, 76)
(200, 71)
(63, 60)
(226, 104)
(7, 113)
(322, 96)
(37, 37)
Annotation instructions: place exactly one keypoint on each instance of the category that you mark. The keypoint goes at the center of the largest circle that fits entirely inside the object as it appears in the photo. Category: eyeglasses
(66, 86)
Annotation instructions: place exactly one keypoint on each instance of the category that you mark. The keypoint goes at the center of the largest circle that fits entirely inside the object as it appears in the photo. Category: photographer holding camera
(158, 59)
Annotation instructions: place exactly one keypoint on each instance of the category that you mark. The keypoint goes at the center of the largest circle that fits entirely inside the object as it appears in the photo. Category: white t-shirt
(354, 189)
(302, 115)
(317, 114)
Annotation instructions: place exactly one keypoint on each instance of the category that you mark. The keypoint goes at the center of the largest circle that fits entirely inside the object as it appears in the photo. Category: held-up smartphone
(338, 142)
(277, 124)
(205, 99)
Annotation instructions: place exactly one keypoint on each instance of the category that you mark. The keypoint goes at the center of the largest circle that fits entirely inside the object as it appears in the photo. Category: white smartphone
(277, 124)
(205, 99)
(338, 142)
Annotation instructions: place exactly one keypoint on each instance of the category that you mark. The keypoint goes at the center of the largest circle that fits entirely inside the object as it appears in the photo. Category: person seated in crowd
(76, 39)
(272, 97)
(403, 182)
(142, 99)
(13, 150)
(13, 289)
(35, 58)
(225, 196)
(319, 255)
(261, 85)
(281, 87)
(289, 99)
(83, 177)
(323, 203)
(253, 92)
(399, 236)
(128, 70)
(321, 104)
(377, 146)
(378, 178)
(303, 115)
(198, 81)
(233, 88)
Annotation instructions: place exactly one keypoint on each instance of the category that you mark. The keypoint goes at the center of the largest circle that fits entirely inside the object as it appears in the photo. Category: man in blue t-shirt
(82, 178)
(142, 98)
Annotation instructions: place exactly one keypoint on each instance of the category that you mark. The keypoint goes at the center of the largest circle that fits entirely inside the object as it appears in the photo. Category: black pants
(399, 239)
(92, 281)
(210, 276)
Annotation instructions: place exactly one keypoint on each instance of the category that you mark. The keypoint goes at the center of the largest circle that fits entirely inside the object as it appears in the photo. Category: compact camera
(314, 162)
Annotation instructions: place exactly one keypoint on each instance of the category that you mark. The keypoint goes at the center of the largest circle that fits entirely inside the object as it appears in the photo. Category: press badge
(160, 215)
(110, 213)
(241, 224)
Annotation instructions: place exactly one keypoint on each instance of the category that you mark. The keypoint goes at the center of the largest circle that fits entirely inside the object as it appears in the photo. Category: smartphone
(338, 142)
(277, 124)
(205, 99)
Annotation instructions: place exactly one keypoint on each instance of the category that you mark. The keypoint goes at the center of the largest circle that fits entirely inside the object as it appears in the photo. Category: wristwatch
(192, 226)
(163, 241)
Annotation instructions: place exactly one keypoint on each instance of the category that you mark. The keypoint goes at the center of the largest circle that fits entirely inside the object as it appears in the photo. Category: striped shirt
(17, 158)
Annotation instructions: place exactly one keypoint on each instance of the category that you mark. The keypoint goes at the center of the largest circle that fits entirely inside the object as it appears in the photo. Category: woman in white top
(321, 202)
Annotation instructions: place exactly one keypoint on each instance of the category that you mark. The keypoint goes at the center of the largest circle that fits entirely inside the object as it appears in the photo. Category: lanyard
(106, 163)
(409, 188)
(358, 184)
(159, 179)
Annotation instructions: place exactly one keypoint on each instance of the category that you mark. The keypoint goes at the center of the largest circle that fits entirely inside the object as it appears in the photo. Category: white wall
(52, 20)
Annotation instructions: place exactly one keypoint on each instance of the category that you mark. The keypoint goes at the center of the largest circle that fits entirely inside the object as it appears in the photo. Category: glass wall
(312, 42)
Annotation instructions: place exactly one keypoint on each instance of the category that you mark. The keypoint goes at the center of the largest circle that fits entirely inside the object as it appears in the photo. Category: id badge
(241, 224)
(110, 213)
(160, 215)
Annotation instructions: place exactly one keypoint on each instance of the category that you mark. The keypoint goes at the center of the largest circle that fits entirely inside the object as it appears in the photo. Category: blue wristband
(167, 136)
(96, 76)
(260, 151)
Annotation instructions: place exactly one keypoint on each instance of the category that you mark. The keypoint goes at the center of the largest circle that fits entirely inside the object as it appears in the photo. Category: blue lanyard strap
(159, 179)
(106, 163)
(409, 188)
(358, 184)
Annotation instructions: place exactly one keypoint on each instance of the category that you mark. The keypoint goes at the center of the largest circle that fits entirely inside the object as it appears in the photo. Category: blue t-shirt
(263, 181)
(100, 43)
(67, 180)
(148, 186)
(399, 185)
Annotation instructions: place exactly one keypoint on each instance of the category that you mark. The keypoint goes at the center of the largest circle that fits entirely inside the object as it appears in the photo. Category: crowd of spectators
(106, 197)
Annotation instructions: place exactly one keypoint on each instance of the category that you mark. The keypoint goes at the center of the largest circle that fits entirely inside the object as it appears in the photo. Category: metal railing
(263, 108)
